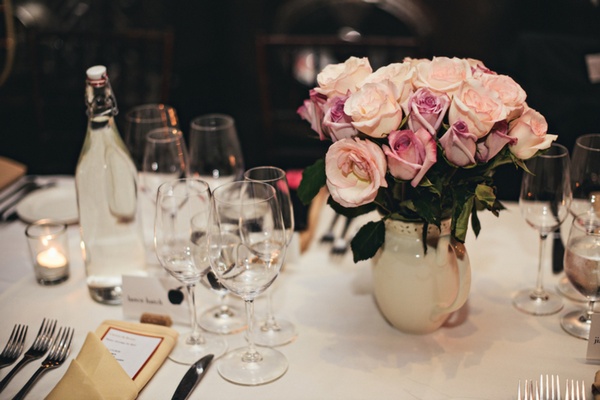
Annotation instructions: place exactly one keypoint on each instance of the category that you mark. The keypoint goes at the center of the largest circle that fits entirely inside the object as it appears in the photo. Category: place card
(592, 62)
(593, 349)
(131, 350)
(156, 295)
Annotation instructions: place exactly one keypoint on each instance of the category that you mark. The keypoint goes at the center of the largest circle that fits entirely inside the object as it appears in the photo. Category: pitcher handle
(464, 277)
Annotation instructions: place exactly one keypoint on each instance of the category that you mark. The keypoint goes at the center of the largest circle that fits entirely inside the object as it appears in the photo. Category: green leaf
(486, 195)
(460, 221)
(368, 240)
(475, 224)
(313, 179)
(350, 212)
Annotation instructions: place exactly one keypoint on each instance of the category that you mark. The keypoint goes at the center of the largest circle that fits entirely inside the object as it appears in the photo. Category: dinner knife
(191, 378)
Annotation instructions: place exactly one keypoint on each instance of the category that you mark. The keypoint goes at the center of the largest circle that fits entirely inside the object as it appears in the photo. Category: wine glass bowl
(544, 203)
(582, 267)
(272, 331)
(183, 253)
(140, 120)
(247, 244)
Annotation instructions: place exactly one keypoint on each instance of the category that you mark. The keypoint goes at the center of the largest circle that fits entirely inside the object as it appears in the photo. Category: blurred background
(257, 59)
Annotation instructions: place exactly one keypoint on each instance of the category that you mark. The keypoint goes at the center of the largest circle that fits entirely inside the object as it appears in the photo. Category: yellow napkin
(10, 171)
(96, 375)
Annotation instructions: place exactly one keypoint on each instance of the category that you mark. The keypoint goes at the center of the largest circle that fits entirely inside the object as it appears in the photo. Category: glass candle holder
(48, 245)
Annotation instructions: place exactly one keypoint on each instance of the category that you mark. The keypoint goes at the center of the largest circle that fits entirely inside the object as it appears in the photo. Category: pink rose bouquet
(417, 140)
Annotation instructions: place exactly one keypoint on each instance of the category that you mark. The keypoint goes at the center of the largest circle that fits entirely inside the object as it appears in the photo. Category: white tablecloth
(345, 349)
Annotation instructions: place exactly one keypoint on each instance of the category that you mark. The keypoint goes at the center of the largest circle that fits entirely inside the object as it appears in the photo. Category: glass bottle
(106, 180)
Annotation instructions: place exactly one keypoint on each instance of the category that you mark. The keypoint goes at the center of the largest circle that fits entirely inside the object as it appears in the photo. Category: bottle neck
(100, 101)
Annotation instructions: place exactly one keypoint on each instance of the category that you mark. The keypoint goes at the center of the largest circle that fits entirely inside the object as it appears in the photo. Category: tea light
(48, 245)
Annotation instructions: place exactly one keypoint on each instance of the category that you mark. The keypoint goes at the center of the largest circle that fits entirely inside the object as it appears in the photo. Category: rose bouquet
(418, 141)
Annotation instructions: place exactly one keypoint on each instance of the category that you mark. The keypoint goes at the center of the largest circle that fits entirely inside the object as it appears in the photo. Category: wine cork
(156, 319)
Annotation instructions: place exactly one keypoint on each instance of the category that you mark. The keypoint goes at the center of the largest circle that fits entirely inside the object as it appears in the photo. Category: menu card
(131, 350)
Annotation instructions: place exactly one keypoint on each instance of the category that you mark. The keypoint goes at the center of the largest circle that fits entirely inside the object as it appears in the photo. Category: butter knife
(191, 378)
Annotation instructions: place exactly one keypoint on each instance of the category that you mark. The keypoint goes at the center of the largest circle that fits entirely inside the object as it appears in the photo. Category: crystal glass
(247, 243)
(544, 202)
(585, 184)
(216, 157)
(140, 120)
(272, 331)
(183, 253)
(582, 266)
(215, 151)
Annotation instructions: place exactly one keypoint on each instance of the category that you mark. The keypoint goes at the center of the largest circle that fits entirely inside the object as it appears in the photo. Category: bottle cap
(96, 72)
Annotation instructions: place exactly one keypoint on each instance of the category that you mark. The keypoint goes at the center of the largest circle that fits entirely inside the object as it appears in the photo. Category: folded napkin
(10, 171)
(95, 374)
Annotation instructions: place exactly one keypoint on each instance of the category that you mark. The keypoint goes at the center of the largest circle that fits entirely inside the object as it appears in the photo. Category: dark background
(202, 57)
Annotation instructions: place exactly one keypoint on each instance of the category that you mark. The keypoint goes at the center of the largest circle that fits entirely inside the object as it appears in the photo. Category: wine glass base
(224, 322)
(566, 288)
(271, 335)
(527, 302)
(233, 368)
(575, 323)
(185, 353)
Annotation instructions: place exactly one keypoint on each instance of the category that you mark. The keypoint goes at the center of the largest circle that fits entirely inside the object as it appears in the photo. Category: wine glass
(183, 253)
(165, 159)
(247, 246)
(216, 158)
(582, 266)
(544, 202)
(140, 120)
(585, 184)
(215, 152)
(272, 331)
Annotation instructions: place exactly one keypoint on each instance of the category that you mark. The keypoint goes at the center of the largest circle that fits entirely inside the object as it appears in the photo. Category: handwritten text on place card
(131, 350)
(593, 349)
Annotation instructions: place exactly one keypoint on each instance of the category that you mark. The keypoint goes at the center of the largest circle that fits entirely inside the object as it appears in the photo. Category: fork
(37, 350)
(329, 236)
(59, 351)
(340, 245)
(14, 346)
(529, 392)
(549, 387)
(574, 390)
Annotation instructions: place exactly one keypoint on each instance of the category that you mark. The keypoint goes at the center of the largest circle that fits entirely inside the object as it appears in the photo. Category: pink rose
(459, 144)
(477, 106)
(530, 130)
(494, 142)
(339, 79)
(355, 171)
(442, 74)
(312, 111)
(427, 110)
(478, 68)
(509, 91)
(374, 109)
(336, 124)
(410, 154)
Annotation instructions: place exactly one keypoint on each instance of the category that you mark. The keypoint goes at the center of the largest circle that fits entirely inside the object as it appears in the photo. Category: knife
(191, 378)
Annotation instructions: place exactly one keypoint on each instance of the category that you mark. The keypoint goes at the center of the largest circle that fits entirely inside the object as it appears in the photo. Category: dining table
(344, 349)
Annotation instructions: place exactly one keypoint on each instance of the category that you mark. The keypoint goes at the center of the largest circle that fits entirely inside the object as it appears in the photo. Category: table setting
(327, 312)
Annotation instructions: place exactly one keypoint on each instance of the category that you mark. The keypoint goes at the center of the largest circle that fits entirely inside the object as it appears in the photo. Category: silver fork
(329, 236)
(59, 351)
(575, 390)
(340, 245)
(14, 346)
(529, 391)
(549, 387)
(37, 350)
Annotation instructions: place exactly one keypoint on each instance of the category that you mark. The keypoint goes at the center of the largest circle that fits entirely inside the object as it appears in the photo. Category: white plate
(58, 203)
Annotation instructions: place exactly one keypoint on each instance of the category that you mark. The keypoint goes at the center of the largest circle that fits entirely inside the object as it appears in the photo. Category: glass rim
(222, 188)
(225, 122)
(55, 229)
(173, 134)
(578, 141)
(564, 152)
(131, 117)
(163, 188)
(587, 222)
(281, 172)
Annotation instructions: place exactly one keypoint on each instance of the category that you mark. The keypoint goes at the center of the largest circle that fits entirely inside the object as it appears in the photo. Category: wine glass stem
(590, 310)
(251, 355)
(195, 337)
(270, 324)
(539, 291)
